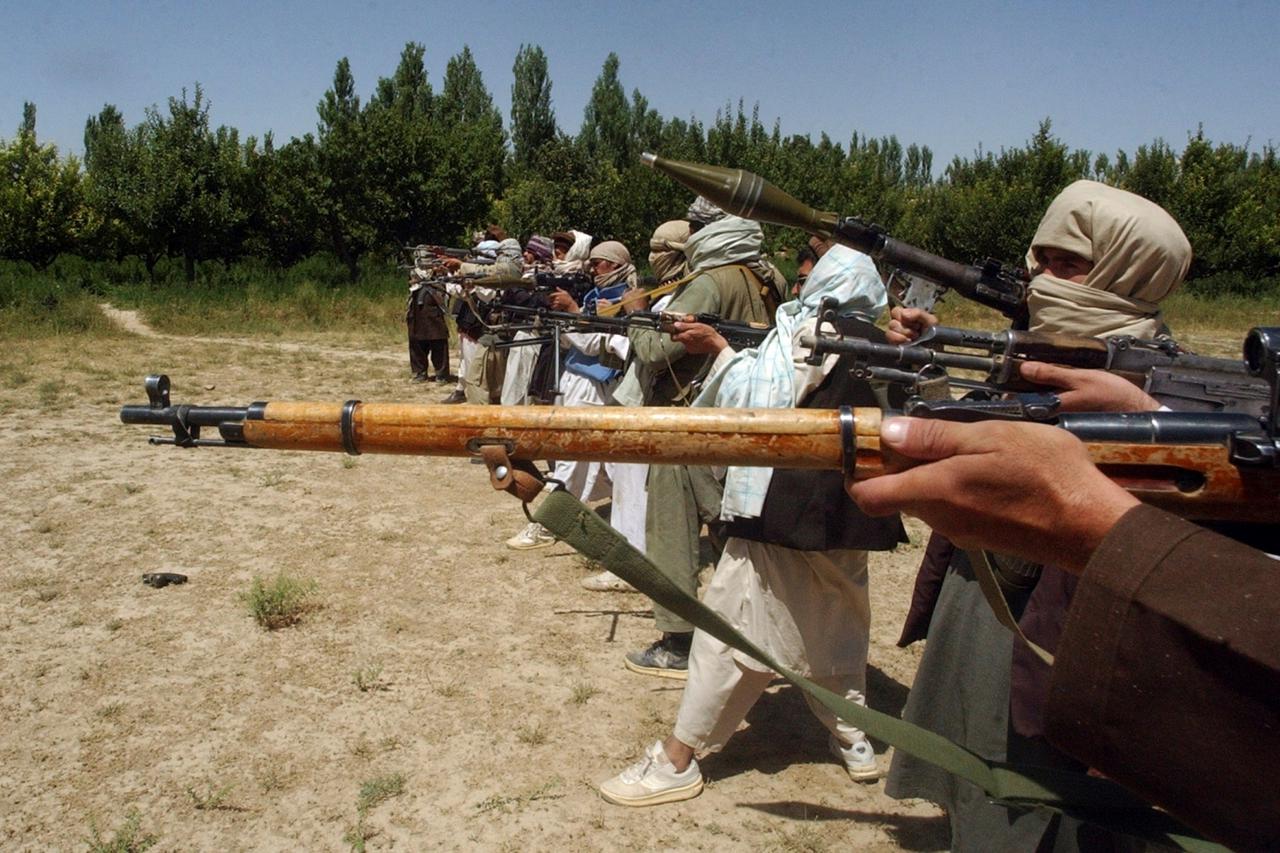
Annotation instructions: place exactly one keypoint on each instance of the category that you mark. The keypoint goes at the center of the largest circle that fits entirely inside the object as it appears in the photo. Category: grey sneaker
(859, 760)
(653, 780)
(606, 581)
(666, 658)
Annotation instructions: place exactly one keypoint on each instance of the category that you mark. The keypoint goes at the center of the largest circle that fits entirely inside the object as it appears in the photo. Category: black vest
(809, 510)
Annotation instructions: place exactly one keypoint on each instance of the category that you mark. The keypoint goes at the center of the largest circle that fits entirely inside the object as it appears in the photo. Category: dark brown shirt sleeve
(1167, 678)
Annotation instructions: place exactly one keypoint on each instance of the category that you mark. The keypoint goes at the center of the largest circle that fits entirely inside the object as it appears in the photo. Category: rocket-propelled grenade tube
(748, 195)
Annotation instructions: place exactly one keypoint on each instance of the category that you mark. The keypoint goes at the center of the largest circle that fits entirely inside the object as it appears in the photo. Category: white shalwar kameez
(810, 610)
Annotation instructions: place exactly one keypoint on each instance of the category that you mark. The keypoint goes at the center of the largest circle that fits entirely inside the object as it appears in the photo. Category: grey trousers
(681, 498)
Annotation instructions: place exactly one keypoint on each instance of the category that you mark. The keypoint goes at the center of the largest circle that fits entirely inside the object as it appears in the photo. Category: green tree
(533, 121)
(342, 198)
(41, 199)
(606, 121)
(472, 148)
(404, 152)
(195, 175)
(125, 191)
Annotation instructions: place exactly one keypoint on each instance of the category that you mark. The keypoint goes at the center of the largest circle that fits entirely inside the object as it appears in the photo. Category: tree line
(412, 164)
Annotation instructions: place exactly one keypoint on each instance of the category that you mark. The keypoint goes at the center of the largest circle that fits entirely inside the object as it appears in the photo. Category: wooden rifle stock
(1192, 478)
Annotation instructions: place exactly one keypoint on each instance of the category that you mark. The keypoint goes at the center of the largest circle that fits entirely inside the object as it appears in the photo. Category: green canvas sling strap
(1096, 800)
(999, 605)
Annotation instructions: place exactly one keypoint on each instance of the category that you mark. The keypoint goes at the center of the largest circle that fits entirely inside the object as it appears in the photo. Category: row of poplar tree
(411, 164)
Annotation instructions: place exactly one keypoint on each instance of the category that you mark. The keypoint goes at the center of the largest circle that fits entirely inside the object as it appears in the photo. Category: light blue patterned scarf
(765, 377)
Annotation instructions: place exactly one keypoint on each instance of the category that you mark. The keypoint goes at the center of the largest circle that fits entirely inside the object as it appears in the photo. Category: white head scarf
(1139, 256)
(725, 241)
(575, 260)
(765, 377)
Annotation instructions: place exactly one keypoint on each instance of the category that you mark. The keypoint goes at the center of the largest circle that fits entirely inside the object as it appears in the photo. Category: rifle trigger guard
(848, 441)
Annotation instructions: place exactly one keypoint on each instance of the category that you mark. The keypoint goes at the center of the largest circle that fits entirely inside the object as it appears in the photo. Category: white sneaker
(653, 780)
(859, 760)
(606, 581)
(534, 535)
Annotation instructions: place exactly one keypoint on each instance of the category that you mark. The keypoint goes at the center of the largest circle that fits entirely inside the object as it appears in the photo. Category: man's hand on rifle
(1018, 488)
(697, 338)
(1089, 390)
(561, 300)
(907, 324)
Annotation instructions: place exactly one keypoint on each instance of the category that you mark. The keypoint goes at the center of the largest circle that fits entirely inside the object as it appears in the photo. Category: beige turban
(1139, 256)
(617, 254)
(666, 250)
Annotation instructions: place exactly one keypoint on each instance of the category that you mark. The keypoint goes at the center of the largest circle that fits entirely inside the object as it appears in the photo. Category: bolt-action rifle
(740, 192)
(1206, 466)
(1183, 380)
(738, 335)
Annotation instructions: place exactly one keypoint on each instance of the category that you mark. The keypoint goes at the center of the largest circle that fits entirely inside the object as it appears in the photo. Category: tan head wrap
(1139, 256)
(666, 250)
(616, 253)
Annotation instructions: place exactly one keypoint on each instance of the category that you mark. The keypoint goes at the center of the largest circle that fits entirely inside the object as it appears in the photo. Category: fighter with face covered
(592, 366)
(736, 283)
(793, 575)
(1102, 259)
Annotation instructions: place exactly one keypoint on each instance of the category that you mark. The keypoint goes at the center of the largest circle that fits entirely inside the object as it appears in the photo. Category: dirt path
(132, 322)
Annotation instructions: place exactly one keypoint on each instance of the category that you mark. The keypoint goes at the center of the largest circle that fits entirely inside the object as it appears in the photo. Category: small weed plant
(129, 838)
(280, 602)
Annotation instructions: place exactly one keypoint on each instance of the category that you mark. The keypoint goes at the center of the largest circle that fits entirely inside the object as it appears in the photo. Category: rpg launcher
(748, 195)
(1206, 466)
(1179, 379)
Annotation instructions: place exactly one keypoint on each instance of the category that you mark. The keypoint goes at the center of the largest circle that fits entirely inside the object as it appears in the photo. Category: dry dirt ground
(484, 680)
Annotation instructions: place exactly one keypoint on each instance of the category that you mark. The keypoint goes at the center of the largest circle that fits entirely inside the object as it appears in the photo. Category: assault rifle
(740, 192)
(738, 335)
(1207, 466)
(1183, 380)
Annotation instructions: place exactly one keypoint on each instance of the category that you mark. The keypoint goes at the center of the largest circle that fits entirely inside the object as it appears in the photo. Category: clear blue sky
(950, 75)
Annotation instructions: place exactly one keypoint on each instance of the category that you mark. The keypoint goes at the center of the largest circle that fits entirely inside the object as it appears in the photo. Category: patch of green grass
(211, 798)
(129, 838)
(47, 594)
(48, 391)
(110, 711)
(807, 839)
(349, 462)
(582, 693)
(358, 834)
(368, 678)
(114, 625)
(15, 377)
(279, 603)
(533, 735)
(379, 790)
(271, 479)
(503, 804)
(272, 779)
